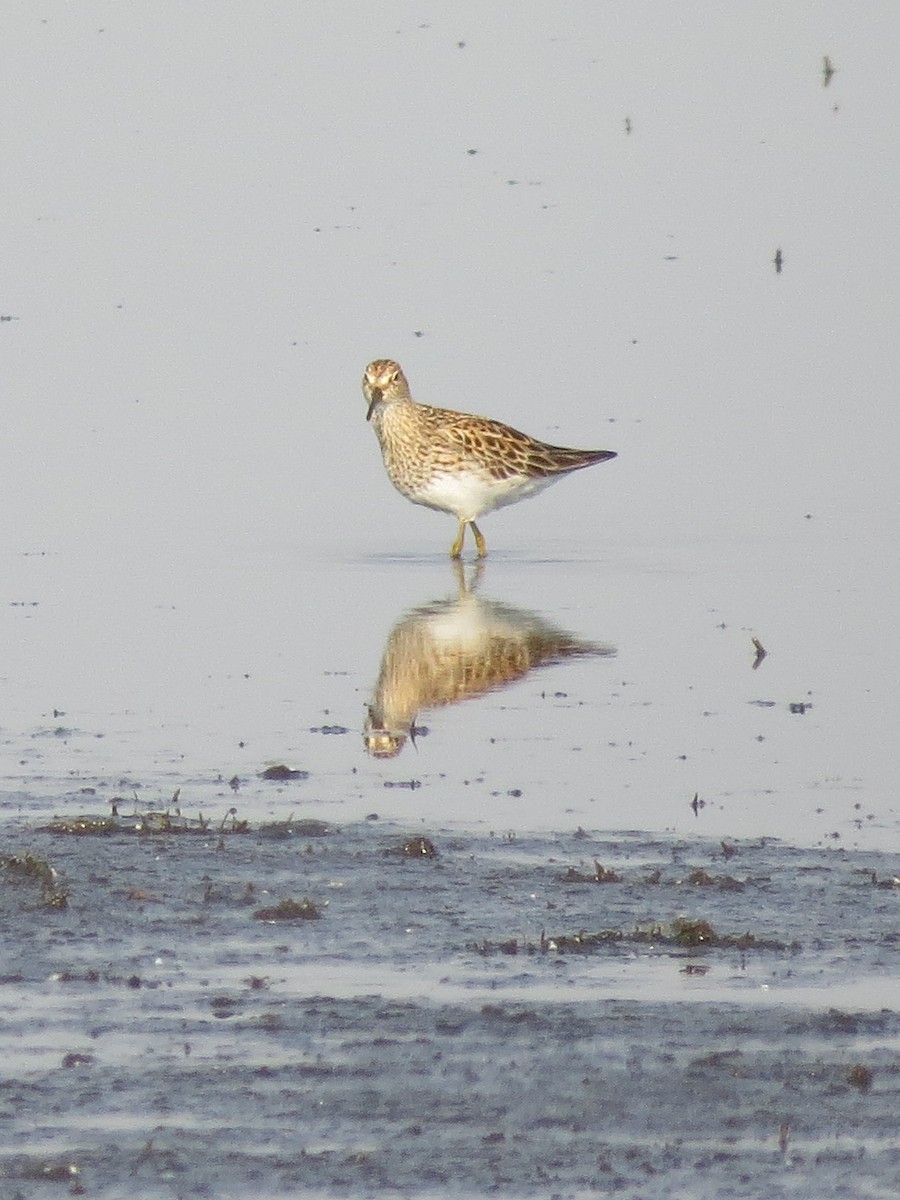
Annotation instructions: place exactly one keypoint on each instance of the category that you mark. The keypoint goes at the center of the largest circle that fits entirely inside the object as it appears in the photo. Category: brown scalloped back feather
(504, 452)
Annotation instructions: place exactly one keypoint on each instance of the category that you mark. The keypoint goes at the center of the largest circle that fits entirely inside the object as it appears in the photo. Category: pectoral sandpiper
(455, 462)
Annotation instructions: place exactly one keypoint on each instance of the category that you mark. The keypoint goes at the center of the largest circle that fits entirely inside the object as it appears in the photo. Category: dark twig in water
(760, 652)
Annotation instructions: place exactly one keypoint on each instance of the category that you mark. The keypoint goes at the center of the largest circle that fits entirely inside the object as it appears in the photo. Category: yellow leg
(481, 544)
(456, 548)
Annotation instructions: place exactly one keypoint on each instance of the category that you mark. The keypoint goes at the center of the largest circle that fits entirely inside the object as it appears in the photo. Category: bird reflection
(454, 649)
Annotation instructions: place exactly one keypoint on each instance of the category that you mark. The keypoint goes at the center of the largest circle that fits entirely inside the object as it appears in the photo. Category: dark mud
(237, 1010)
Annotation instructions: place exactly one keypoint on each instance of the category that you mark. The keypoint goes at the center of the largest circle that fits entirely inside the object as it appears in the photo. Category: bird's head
(383, 381)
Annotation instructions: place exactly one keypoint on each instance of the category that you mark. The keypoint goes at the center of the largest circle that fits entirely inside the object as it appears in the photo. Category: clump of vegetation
(85, 826)
(28, 868)
(694, 933)
(725, 883)
(601, 875)
(281, 773)
(152, 822)
(289, 910)
(293, 828)
(171, 821)
(697, 878)
(414, 847)
(681, 934)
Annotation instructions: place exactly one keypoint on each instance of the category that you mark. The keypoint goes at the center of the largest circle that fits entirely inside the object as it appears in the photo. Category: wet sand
(565, 1014)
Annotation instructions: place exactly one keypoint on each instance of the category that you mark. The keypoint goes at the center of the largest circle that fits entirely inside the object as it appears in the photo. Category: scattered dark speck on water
(860, 1077)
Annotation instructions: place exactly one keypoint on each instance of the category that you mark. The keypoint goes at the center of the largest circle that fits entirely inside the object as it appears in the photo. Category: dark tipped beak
(375, 397)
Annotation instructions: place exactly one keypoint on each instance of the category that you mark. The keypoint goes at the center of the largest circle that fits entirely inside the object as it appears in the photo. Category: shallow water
(200, 669)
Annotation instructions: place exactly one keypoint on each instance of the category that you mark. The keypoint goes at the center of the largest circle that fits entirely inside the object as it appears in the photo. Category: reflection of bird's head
(381, 743)
(383, 381)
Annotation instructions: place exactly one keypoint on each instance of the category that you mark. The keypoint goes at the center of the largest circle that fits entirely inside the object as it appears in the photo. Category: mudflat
(208, 1006)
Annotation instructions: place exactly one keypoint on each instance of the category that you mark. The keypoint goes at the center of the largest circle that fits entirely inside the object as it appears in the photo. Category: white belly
(469, 496)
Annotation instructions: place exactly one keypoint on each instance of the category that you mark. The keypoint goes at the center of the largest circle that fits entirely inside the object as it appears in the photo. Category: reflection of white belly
(471, 495)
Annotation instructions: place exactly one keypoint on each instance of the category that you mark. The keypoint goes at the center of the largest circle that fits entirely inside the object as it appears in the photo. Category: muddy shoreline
(447, 1022)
